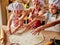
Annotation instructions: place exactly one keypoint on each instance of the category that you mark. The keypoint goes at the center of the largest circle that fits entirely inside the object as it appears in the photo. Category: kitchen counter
(47, 34)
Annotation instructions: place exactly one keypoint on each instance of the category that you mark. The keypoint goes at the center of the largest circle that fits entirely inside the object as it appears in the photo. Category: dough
(26, 38)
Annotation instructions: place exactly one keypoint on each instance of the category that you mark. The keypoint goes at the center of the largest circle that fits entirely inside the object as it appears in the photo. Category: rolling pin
(2, 37)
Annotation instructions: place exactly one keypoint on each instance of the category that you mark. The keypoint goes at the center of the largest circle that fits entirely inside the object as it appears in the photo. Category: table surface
(47, 34)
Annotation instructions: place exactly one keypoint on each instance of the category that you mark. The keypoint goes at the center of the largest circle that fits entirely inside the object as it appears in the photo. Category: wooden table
(47, 34)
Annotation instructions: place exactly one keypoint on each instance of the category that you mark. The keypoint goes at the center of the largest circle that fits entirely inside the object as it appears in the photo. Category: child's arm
(37, 30)
(9, 25)
(34, 20)
(19, 26)
(51, 24)
(24, 14)
(30, 16)
(39, 17)
(29, 24)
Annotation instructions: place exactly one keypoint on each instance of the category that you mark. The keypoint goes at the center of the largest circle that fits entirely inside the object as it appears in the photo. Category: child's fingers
(13, 32)
(27, 28)
(38, 33)
(8, 32)
(34, 32)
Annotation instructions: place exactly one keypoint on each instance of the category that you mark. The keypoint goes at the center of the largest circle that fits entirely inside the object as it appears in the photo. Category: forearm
(40, 17)
(41, 14)
(24, 14)
(32, 21)
(16, 29)
(9, 24)
(19, 26)
(36, 18)
(51, 24)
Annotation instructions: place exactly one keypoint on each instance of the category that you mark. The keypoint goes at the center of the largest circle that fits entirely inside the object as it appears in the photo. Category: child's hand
(41, 12)
(27, 27)
(8, 31)
(13, 32)
(37, 30)
(30, 10)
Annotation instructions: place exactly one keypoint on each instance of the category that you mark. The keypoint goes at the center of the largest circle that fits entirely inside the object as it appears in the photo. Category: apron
(38, 22)
(52, 18)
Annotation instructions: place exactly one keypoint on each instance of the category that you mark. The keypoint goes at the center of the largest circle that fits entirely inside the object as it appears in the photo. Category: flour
(26, 38)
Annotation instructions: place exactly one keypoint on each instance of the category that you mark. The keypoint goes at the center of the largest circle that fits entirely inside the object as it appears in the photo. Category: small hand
(30, 10)
(37, 31)
(8, 31)
(27, 27)
(13, 31)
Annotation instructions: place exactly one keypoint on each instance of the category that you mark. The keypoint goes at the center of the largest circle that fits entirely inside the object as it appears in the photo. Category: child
(16, 19)
(52, 17)
(33, 14)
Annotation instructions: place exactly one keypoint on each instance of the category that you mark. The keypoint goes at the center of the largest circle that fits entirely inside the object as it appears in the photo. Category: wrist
(42, 27)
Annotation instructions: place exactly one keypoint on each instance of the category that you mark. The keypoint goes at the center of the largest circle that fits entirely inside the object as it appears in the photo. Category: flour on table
(26, 38)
